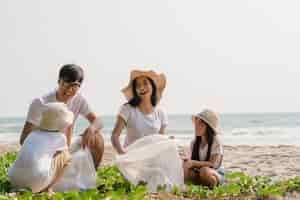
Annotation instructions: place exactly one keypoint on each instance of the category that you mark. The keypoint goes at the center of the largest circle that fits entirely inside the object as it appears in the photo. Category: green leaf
(139, 193)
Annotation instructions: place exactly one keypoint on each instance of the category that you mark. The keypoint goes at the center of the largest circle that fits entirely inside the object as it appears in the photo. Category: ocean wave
(180, 131)
(227, 139)
(10, 127)
(9, 137)
(258, 131)
(256, 121)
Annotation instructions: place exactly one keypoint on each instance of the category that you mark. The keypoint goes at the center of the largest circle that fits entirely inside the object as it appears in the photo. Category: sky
(233, 56)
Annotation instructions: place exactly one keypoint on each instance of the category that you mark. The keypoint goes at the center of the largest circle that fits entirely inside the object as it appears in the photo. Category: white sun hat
(158, 79)
(210, 117)
(56, 116)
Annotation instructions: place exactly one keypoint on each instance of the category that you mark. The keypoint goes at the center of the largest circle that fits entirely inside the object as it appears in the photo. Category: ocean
(236, 129)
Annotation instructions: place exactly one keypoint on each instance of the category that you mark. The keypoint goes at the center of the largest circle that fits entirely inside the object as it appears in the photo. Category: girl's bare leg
(208, 177)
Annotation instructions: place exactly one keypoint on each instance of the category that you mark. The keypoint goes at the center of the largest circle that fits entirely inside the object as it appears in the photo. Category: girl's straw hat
(158, 79)
(56, 117)
(210, 117)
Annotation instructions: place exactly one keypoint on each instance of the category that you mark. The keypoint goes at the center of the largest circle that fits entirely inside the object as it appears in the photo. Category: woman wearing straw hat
(140, 115)
(44, 154)
(147, 155)
(203, 165)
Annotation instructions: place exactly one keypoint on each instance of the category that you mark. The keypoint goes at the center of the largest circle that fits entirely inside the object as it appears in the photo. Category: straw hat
(210, 117)
(56, 116)
(158, 79)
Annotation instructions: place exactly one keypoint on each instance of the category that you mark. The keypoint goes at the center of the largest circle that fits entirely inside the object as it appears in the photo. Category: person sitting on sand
(203, 165)
(140, 115)
(147, 155)
(69, 81)
(44, 154)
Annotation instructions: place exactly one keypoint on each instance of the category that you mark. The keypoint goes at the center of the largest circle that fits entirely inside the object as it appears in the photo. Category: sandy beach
(277, 162)
(8, 147)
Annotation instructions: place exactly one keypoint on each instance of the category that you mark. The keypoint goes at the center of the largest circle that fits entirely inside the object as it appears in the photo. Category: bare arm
(115, 137)
(28, 127)
(164, 121)
(91, 117)
(69, 133)
(214, 162)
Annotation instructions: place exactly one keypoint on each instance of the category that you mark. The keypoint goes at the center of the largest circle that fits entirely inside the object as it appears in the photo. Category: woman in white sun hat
(44, 154)
(203, 165)
(140, 115)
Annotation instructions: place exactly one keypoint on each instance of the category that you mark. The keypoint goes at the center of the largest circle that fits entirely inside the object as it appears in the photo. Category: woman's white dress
(32, 168)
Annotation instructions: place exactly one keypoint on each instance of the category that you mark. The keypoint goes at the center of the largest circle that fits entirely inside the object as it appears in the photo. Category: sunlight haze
(230, 56)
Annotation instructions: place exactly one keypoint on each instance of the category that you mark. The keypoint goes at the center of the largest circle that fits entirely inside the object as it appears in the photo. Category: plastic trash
(79, 175)
(153, 159)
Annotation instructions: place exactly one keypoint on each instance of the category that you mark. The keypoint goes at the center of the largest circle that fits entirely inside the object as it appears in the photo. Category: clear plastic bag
(152, 159)
(79, 175)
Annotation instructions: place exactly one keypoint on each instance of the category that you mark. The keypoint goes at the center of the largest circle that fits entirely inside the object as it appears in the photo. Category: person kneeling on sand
(203, 165)
(44, 154)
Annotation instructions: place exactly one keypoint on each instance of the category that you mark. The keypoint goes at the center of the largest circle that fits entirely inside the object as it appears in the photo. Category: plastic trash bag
(79, 175)
(153, 159)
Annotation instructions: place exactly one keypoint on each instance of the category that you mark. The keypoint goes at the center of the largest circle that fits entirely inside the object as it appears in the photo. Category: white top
(77, 104)
(139, 124)
(32, 167)
(216, 148)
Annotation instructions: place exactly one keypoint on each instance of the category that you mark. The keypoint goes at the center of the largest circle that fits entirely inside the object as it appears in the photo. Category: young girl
(44, 153)
(203, 166)
(140, 115)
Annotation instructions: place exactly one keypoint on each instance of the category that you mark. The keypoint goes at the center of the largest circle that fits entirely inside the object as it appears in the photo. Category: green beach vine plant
(112, 185)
